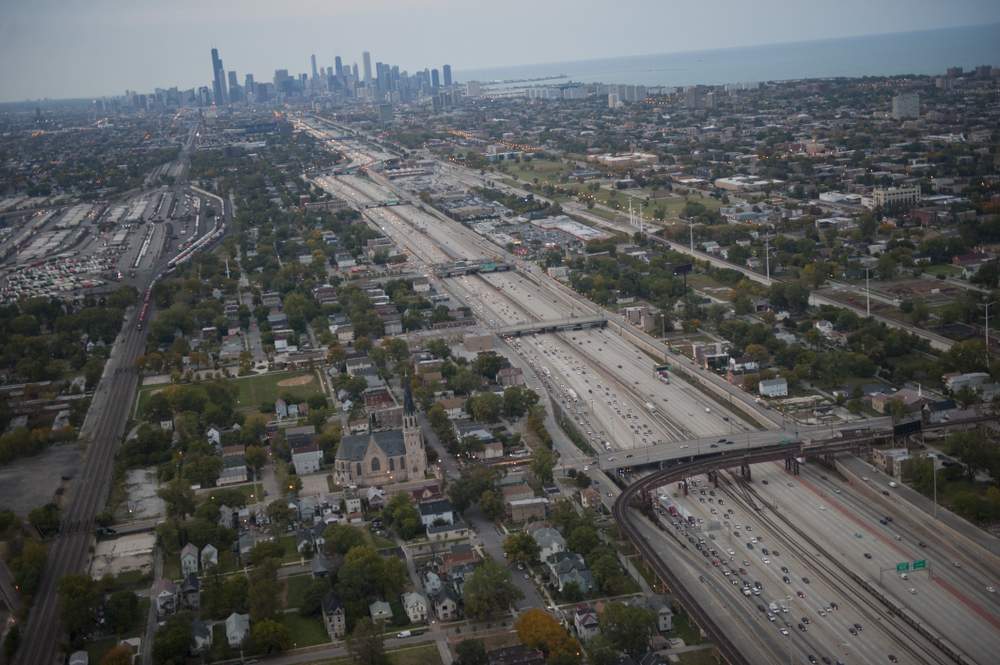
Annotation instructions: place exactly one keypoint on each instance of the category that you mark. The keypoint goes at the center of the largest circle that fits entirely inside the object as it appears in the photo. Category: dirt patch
(296, 381)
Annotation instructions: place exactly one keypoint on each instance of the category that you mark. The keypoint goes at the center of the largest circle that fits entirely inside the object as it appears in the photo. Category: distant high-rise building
(234, 87)
(218, 79)
(906, 105)
(435, 79)
(338, 66)
(248, 85)
(312, 60)
(366, 60)
(354, 70)
(447, 75)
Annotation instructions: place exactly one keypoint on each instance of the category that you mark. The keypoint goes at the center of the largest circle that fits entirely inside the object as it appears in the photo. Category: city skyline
(86, 45)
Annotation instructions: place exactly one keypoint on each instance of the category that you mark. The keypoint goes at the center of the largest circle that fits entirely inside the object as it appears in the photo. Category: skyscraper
(435, 79)
(312, 59)
(248, 85)
(447, 75)
(218, 79)
(338, 66)
(366, 59)
(234, 87)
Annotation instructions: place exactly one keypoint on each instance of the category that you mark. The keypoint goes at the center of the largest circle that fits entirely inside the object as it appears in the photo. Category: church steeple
(408, 408)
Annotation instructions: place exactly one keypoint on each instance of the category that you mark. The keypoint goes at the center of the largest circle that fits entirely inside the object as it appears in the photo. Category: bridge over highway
(557, 325)
(672, 451)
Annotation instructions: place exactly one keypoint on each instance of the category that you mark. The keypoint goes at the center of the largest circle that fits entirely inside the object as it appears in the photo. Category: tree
(269, 636)
(470, 487)
(402, 515)
(280, 514)
(491, 503)
(312, 598)
(542, 463)
(366, 645)
(341, 538)
(121, 611)
(628, 628)
(489, 591)
(538, 629)
(179, 498)
(256, 458)
(79, 598)
(117, 655)
(266, 550)
(45, 519)
(521, 548)
(263, 591)
(471, 652)
(583, 539)
(172, 641)
(485, 407)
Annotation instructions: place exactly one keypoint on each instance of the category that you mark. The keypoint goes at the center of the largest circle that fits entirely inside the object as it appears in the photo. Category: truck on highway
(572, 395)
(650, 406)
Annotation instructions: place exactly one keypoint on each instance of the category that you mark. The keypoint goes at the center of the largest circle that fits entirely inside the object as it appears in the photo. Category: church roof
(352, 448)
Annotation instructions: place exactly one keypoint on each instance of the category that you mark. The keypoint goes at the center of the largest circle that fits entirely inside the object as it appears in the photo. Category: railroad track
(877, 609)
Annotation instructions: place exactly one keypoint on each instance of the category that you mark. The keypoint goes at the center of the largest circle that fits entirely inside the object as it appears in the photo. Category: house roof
(353, 448)
(237, 622)
(437, 507)
(331, 603)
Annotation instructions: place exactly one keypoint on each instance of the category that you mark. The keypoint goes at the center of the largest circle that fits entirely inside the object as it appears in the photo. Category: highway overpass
(557, 325)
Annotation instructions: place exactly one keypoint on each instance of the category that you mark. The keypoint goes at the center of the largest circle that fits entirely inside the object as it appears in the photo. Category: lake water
(925, 52)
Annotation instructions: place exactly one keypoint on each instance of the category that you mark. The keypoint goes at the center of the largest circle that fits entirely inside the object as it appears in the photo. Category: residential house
(237, 628)
(526, 510)
(432, 583)
(454, 407)
(777, 387)
(209, 556)
(436, 512)
(660, 606)
(320, 566)
(590, 498)
(492, 450)
(549, 542)
(189, 559)
(201, 636)
(569, 567)
(416, 607)
(307, 459)
(79, 658)
(586, 623)
(191, 592)
(333, 616)
(445, 605)
(165, 597)
(911, 400)
(510, 376)
(380, 611)
(214, 436)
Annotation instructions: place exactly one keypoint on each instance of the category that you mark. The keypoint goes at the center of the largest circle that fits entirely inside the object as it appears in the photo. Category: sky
(89, 48)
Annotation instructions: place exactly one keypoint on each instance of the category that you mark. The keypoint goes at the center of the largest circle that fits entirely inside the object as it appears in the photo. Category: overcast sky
(84, 48)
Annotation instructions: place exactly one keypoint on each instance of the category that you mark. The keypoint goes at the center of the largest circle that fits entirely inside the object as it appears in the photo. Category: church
(383, 458)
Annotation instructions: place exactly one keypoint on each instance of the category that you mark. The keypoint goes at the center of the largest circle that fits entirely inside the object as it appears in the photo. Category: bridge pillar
(745, 471)
(788, 462)
(714, 477)
(685, 481)
(795, 466)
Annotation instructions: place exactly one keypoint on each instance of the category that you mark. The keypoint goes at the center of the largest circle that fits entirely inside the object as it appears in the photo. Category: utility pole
(691, 226)
(868, 294)
(987, 306)
(767, 257)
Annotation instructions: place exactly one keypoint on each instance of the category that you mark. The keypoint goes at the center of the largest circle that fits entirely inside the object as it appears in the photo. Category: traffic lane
(825, 634)
(761, 644)
(968, 624)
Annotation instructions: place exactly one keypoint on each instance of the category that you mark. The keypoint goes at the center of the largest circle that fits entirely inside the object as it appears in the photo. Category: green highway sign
(919, 564)
(902, 567)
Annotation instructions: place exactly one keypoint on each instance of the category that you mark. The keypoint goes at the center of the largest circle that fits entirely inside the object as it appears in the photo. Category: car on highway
(805, 580)
(852, 630)
(802, 628)
(784, 631)
(868, 555)
(786, 579)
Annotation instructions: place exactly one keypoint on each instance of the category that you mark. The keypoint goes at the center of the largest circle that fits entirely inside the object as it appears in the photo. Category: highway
(102, 430)
(614, 384)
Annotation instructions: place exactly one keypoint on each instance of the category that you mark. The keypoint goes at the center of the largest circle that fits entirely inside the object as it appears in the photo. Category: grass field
(304, 631)
(265, 388)
(295, 589)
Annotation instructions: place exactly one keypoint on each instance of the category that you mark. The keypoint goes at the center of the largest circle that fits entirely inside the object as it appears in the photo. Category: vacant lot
(32, 481)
